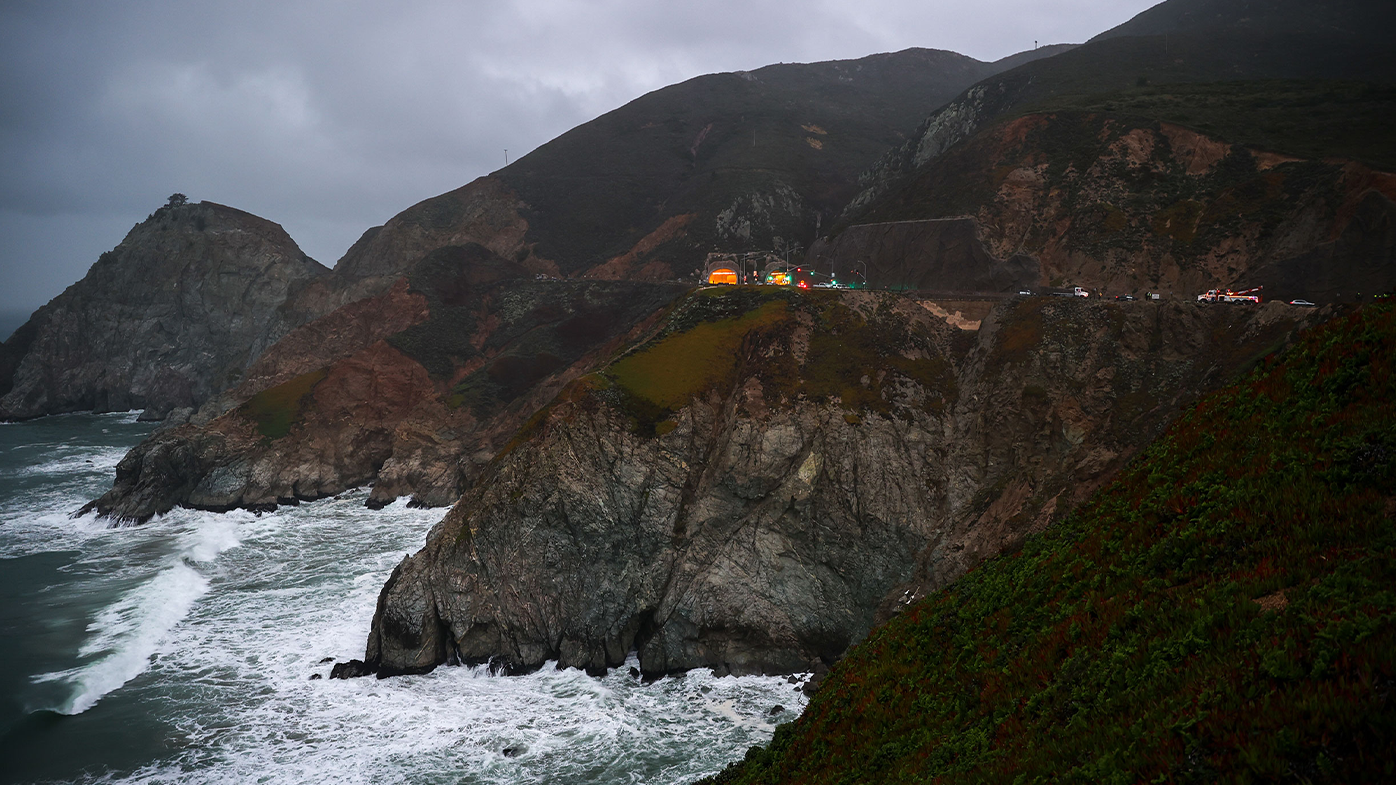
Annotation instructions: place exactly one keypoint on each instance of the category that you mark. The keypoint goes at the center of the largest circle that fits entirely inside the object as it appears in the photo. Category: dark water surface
(181, 652)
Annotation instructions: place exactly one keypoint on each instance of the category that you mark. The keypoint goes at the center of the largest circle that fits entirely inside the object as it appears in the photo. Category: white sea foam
(126, 634)
(72, 459)
(303, 587)
(216, 623)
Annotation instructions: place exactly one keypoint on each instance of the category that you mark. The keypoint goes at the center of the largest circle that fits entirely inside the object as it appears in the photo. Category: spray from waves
(127, 633)
(68, 460)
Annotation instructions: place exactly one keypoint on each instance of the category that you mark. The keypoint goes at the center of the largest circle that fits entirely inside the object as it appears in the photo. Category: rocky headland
(163, 322)
(753, 486)
(410, 391)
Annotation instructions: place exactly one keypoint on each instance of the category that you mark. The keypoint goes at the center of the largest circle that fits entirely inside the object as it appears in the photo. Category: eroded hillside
(1224, 611)
(410, 391)
(1122, 204)
(749, 487)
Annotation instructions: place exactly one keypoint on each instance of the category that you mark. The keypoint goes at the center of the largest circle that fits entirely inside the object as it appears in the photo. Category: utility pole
(506, 156)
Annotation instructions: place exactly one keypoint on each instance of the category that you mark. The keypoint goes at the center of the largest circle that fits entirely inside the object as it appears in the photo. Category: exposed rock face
(942, 255)
(746, 489)
(410, 391)
(169, 317)
(1125, 205)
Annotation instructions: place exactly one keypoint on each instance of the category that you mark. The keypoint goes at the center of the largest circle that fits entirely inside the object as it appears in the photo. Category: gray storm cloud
(330, 117)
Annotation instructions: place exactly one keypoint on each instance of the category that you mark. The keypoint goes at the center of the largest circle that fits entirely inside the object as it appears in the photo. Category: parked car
(1303, 303)
(1025, 292)
(1125, 297)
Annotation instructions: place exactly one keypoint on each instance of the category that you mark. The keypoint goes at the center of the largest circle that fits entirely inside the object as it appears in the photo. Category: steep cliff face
(169, 317)
(1222, 611)
(1127, 205)
(408, 391)
(747, 488)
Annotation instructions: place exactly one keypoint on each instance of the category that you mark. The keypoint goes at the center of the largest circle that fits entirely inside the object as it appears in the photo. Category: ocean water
(182, 651)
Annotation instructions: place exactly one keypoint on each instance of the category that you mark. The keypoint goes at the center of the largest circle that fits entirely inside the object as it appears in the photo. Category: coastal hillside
(1107, 198)
(749, 161)
(756, 160)
(165, 320)
(751, 486)
(1172, 45)
(1224, 610)
(409, 392)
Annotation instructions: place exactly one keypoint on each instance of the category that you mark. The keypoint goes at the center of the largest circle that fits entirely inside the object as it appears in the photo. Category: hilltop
(1176, 43)
(165, 320)
(724, 162)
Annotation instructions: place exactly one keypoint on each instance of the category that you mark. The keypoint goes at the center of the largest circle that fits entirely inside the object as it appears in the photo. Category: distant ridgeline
(1224, 610)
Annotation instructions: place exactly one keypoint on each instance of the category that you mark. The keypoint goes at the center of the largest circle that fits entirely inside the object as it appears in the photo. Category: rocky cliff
(746, 488)
(409, 391)
(1222, 611)
(165, 320)
(1123, 204)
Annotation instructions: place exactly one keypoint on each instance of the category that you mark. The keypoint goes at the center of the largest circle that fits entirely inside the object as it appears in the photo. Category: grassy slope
(277, 408)
(1224, 609)
(721, 336)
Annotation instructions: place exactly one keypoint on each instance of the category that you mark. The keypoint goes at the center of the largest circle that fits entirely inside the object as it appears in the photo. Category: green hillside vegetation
(278, 408)
(1223, 610)
(722, 335)
(685, 364)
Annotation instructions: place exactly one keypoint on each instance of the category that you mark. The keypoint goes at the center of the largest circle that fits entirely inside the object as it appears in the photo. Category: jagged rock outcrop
(165, 320)
(410, 391)
(746, 489)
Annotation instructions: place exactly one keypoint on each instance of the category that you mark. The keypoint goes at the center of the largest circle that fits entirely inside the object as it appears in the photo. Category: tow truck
(1228, 296)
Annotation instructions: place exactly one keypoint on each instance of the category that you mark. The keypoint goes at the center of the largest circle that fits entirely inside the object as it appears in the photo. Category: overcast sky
(330, 117)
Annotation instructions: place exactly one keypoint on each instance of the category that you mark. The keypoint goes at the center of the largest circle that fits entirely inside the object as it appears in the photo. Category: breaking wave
(126, 634)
